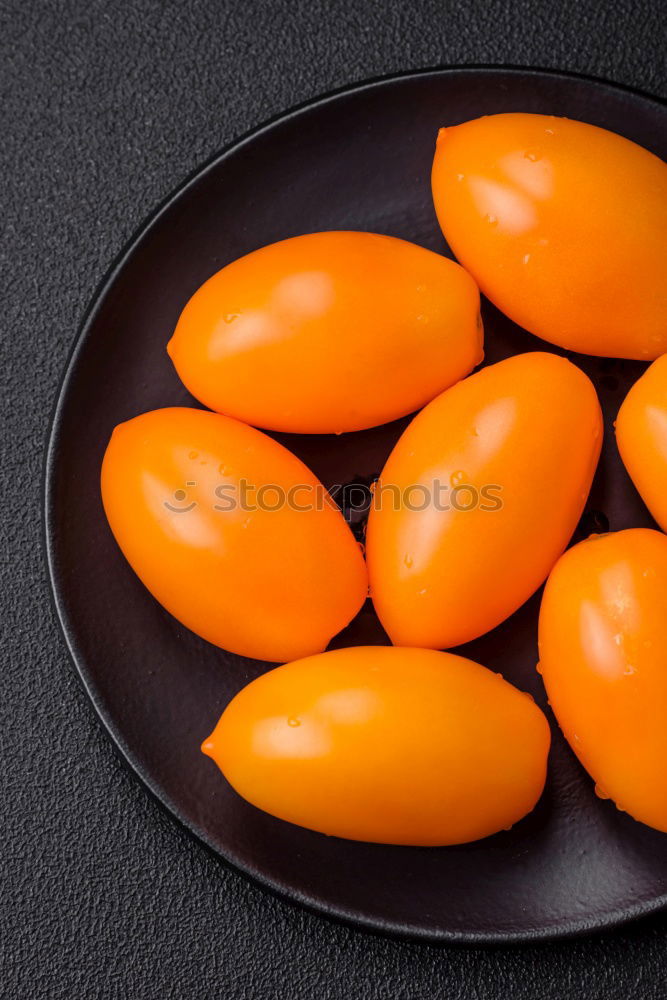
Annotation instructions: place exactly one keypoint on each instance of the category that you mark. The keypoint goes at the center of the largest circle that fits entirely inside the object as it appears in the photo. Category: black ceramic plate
(359, 159)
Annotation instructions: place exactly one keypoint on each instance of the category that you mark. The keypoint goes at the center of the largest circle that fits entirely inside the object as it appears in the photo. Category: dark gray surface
(107, 106)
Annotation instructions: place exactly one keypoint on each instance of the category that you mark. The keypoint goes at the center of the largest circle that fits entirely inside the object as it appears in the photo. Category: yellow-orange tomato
(329, 332)
(641, 433)
(396, 746)
(603, 657)
(480, 497)
(231, 533)
(564, 227)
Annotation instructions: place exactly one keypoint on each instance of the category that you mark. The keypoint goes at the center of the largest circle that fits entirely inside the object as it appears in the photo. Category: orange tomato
(329, 332)
(563, 226)
(231, 533)
(479, 498)
(603, 657)
(641, 434)
(396, 746)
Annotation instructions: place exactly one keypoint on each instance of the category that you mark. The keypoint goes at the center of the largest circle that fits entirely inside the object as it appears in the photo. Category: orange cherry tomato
(395, 746)
(563, 226)
(641, 434)
(329, 332)
(603, 657)
(479, 498)
(231, 533)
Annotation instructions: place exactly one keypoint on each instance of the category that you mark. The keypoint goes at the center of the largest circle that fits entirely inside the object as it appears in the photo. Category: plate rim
(558, 930)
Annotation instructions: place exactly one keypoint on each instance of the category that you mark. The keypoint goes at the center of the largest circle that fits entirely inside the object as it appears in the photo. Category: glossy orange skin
(531, 426)
(641, 434)
(563, 226)
(329, 332)
(603, 658)
(270, 584)
(395, 746)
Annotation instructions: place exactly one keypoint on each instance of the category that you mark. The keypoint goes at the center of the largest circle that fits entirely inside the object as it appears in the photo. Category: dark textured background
(107, 105)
